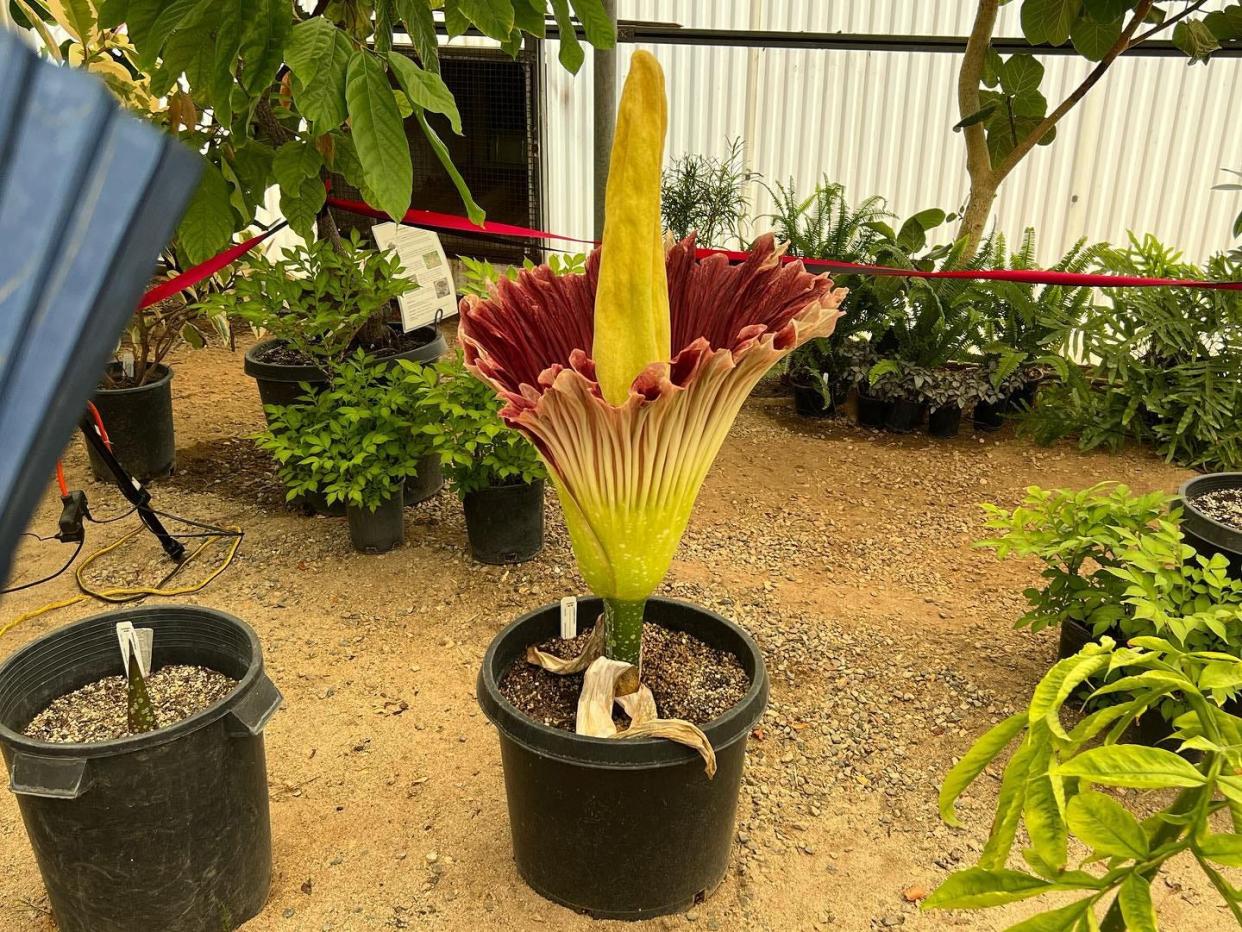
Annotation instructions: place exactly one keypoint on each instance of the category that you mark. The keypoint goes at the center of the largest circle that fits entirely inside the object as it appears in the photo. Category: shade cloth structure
(88, 196)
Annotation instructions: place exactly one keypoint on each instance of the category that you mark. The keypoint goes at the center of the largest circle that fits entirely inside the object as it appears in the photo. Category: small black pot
(505, 523)
(989, 416)
(809, 401)
(944, 422)
(903, 416)
(166, 830)
(139, 422)
(1074, 636)
(872, 410)
(1022, 399)
(621, 829)
(380, 530)
(282, 384)
(1207, 535)
(426, 482)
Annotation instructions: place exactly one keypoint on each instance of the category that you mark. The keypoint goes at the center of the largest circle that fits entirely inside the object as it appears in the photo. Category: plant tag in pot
(137, 643)
(569, 617)
(127, 363)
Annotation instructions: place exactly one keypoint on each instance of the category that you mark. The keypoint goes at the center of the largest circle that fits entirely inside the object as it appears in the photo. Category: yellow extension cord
(128, 594)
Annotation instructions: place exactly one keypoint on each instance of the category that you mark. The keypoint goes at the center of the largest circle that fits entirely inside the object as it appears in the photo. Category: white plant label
(569, 617)
(136, 643)
(422, 256)
(127, 363)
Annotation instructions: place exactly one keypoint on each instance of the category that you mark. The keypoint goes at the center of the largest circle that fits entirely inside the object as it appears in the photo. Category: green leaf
(571, 55)
(207, 225)
(421, 27)
(1041, 809)
(595, 23)
(473, 210)
(378, 135)
(1092, 39)
(1065, 919)
(1048, 20)
(79, 18)
(318, 55)
(493, 17)
(1105, 11)
(1136, 909)
(1008, 809)
(1223, 849)
(112, 13)
(977, 887)
(264, 32)
(1021, 75)
(301, 205)
(1194, 38)
(1129, 765)
(981, 753)
(977, 117)
(228, 36)
(1106, 825)
(425, 89)
(294, 162)
(170, 18)
(1057, 685)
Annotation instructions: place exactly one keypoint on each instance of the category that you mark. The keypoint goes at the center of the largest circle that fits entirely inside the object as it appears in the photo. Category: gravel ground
(888, 638)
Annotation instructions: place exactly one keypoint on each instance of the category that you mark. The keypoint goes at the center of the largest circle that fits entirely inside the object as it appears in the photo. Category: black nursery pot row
(902, 416)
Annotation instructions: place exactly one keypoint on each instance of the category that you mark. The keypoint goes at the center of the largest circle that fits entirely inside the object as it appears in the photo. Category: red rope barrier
(192, 276)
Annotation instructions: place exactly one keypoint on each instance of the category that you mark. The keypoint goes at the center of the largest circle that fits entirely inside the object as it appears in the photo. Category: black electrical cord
(38, 582)
(124, 514)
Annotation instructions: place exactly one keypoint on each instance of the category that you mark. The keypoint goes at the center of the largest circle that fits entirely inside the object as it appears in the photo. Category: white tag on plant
(569, 617)
(127, 363)
(136, 643)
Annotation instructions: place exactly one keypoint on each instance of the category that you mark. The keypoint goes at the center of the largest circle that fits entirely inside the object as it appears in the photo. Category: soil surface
(689, 680)
(1223, 505)
(846, 553)
(98, 711)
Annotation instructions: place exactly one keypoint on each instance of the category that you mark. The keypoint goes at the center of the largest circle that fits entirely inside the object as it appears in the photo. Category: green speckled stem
(623, 630)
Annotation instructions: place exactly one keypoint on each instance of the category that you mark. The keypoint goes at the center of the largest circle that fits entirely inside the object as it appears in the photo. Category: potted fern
(626, 379)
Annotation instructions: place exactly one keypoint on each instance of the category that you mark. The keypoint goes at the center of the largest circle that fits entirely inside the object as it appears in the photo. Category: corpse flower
(628, 377)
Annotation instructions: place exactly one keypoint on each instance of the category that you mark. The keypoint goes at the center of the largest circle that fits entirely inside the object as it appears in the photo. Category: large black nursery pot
(1207, 535)
(139, 422)
(504, 523)
(380, 530)
(162, 831)
(281, 383)
(903, 416)
(809, 401)
(989, 416)
(426, 482)
(621, 829)
(945, 422)
(872, 409)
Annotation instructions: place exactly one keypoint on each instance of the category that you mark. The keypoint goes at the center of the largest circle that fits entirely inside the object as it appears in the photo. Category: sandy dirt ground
(889, 639)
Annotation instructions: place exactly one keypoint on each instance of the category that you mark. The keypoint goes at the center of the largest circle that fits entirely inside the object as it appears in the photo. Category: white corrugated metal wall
(1141, 152)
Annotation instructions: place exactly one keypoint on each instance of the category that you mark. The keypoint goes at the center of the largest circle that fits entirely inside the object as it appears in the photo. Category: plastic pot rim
(1222, 535)
(284, 372)
(145, 387)
(611, 753)
(151, 739)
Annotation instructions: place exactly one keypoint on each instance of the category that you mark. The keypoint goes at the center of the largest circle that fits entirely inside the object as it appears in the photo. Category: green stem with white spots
(623, 629)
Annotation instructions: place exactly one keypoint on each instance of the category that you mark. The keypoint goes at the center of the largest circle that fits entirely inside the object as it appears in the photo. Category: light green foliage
(1165, 364)
(315, 298)
(706, 196)
(1053, 786)
(480, 274)
(357, 440)
(477, 449)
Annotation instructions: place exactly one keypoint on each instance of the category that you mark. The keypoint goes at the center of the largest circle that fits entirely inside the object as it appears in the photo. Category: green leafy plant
(1052, 787)
(477, 449)
(321, 301)
(358, 440)
(480, 274)
(706, 195)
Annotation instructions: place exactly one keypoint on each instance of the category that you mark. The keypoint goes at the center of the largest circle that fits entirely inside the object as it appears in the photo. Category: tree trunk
(978, 210)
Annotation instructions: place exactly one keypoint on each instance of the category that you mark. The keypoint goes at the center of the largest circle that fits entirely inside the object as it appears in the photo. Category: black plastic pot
(427, 482)
(903, 416)
(167, 830)
(809, 401)
(989, 416)
(1074, 636)
(505, 523)
(1022, 399)
(282, 384)
(380, 530)
(139, 422)
(872, 410)
(1207, 535)
(621, 829)
(944, 422)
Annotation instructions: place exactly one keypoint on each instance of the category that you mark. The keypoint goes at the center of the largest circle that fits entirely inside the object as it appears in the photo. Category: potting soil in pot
(1223, 505)
(97, 711)
(689, 680)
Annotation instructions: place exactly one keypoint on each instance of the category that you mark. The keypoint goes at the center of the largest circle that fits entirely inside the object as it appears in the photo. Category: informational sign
(423, 257)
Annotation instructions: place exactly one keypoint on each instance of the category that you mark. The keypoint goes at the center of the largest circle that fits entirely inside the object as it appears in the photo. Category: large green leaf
(1195, 39)
(1136, 909)
(1092, 39)
(1041, 809)
(169, 20)
(207, 225)
(294, 162)
(1106, 825)
(1048, 20)
(228, 36)
(264, 33)
(595, 23)
(976, 887)
(421, 27)
(493, 18)
(1021, 74)
(473, 210)
(1105, 11)
(301, 205)
(981, 753)
(1065, 919)
(425, 89)
(1008, 809)
(378, 134)
(529, 17)
(571, 55)
(78, 16)
(318, 54)
(1223, 849)
(1133, 766)
(1057, 685)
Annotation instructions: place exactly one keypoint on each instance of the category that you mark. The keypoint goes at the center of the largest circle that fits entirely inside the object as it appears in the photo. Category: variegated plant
(628, 377)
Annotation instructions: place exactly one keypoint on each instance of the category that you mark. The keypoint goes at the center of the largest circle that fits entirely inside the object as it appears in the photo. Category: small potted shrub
(873, 400)
(627, 380)
(355, 443)
(1212, 516)
(316, 306)
(142, 779)
(815, 393)
(999, 392)
(493, 469)
(903, 386)
(947, 392)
